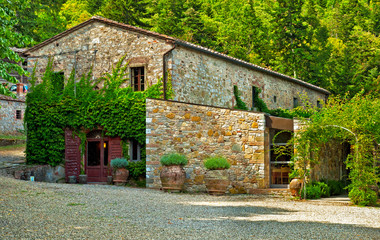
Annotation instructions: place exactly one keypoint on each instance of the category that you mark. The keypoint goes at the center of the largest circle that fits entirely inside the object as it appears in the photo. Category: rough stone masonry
(202, 131)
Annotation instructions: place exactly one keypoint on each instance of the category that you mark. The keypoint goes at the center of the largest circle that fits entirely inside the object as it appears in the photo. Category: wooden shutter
(72, 154)
(115, 148)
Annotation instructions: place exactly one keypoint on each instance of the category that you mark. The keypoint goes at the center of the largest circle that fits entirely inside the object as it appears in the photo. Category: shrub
(324, 188)
(173, 159)
(119, 163)
(362, 197)
(312, 192)
(336, 187)
(316, 190)
(137, 169)
(213, 163)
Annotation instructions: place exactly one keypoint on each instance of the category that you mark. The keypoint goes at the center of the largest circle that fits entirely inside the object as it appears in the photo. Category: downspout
(164, 68)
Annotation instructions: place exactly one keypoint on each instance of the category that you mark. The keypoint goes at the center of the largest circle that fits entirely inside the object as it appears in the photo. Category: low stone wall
(41, 173)
(200, 131)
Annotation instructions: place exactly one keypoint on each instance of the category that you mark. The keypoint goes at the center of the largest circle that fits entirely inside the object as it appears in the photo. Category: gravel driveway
(31, 210)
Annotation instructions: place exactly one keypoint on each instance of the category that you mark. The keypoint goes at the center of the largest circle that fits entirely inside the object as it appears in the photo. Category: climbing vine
(80, 105)
(240, 104)
(355, 121)
(304, 111)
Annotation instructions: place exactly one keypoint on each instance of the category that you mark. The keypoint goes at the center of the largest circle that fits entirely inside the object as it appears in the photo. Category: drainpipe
(164, 68)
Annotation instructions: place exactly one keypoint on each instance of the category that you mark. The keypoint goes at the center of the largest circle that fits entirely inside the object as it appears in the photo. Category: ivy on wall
(80, 105)
(259, 105)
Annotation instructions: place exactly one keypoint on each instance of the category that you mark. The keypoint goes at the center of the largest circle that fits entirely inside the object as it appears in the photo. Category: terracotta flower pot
(295, 186)
(173, 178)
(217, 181)
(121, 176)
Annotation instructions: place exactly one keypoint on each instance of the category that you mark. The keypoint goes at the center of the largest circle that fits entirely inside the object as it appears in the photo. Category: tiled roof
(181, 43)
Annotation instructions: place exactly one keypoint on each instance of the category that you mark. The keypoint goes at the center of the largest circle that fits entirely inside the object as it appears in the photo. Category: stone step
(273, 191)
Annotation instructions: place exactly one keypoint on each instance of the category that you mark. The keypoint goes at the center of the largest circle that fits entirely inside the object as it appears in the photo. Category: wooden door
(97, 159)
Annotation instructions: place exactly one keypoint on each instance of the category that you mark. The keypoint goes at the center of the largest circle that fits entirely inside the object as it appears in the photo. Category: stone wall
(102, 45)
(204, 79)
(200, 131)
(9, 125)
(331, 162)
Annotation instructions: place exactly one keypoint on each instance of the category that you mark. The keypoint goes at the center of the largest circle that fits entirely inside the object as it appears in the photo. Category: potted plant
(216, 178)
(172, 174)
(119, 166)
(82, 175)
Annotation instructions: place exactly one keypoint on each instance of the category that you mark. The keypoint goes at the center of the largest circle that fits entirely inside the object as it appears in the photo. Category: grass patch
(75, 204)
(13, 137)
(13, 147)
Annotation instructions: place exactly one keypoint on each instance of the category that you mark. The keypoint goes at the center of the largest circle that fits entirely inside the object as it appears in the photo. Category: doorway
(280, 161)
(97, 158)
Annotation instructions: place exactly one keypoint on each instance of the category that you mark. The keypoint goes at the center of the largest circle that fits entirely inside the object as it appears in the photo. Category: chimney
(20, 89)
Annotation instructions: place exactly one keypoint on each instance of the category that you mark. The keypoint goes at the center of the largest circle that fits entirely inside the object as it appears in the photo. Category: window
(319, 105)
(295, 102)
(137, 78)
(18, 114)
(274, 99)
(58, 81)
(134, 150)
(254, 93)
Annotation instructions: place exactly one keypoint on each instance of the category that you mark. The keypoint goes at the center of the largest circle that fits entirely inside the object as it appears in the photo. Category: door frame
(102, 167)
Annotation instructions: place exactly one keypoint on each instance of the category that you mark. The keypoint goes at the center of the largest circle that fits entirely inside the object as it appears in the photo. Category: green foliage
(334, 44)
(312, 192)
(119, 111)
(125, 149)
(363, 197)
(118, 163)
(258, 103)
(9, 38)
(173, 159)
(126, 11)
(316, 190)
(325, 189)
(336, 187)
(216, 163)
(240, 104)
(39, 19)
(137, 169)
(355, 121)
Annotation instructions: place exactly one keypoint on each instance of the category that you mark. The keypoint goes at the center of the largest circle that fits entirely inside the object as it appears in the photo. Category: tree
(38, 19)
(8, 38)
(130, 12)
(74, 12)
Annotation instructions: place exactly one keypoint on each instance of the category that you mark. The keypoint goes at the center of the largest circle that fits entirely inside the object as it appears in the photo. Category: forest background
(333, 44)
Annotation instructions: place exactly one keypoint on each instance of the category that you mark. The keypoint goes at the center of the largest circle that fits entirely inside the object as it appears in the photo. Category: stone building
(199, 121)
(12, 115)
(12, 110)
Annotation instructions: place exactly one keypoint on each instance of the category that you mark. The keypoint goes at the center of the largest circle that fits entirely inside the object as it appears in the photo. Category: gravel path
(14, 155)
(31, 210)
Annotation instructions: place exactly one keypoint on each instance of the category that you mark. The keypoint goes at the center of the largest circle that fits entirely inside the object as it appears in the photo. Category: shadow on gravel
(237, 211)
(272, 229)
